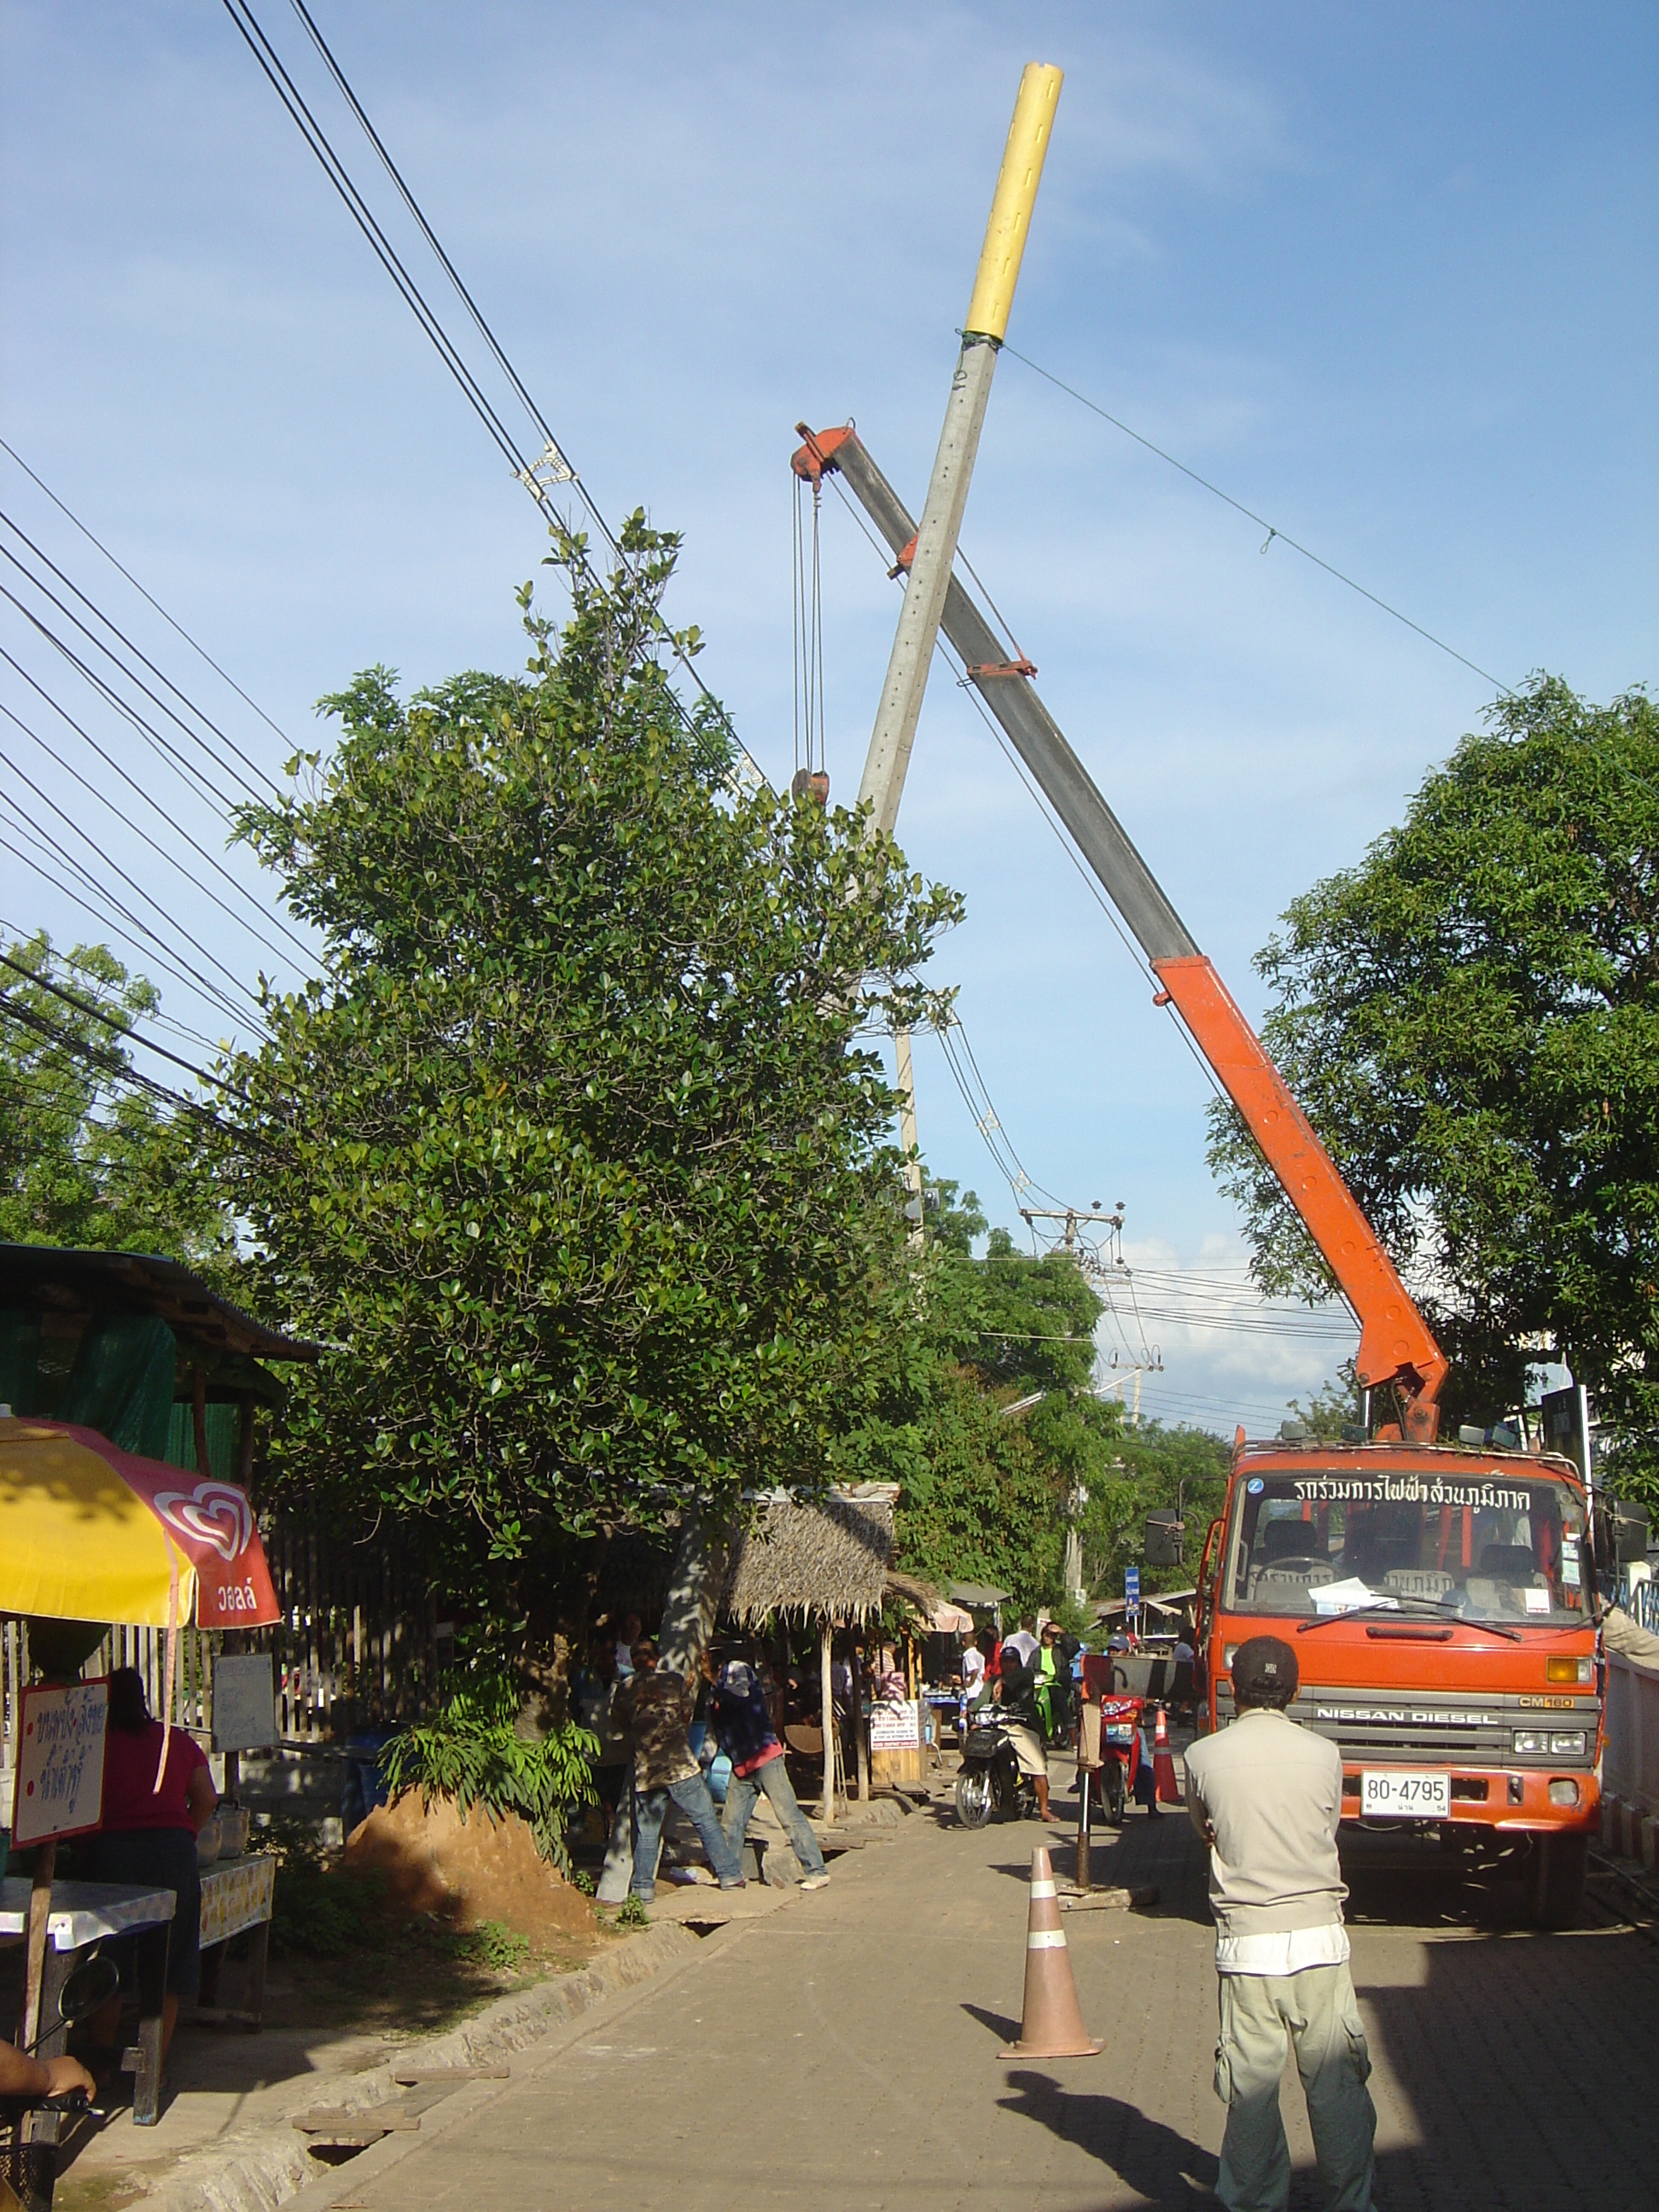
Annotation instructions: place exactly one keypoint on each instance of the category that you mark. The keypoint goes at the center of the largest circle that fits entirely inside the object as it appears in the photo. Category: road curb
(257, 2169)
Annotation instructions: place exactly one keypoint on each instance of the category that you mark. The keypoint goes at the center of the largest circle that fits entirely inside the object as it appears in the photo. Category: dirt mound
(467, 1870)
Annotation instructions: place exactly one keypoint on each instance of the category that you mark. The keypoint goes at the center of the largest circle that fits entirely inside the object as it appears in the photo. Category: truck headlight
(1532, 1743)
(1568, 1746)
(1581, 1671)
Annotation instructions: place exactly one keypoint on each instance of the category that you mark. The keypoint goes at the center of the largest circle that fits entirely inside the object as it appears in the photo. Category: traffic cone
(1164, 1773)
(1051, 2026)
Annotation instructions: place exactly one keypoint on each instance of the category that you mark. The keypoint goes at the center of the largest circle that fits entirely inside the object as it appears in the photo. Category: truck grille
(1440, 1727)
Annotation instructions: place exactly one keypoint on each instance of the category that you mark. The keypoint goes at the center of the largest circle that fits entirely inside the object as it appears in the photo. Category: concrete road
(842, 2052)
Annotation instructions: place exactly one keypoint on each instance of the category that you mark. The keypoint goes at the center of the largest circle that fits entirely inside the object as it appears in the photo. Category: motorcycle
(1120, 1755)
(990, 1780)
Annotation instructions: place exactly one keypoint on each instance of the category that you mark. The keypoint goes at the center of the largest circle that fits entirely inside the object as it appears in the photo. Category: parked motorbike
(990, 1780)
(1120, 1755)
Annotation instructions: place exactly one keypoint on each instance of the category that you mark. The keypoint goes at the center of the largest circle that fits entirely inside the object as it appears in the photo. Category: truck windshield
(1500, 1546)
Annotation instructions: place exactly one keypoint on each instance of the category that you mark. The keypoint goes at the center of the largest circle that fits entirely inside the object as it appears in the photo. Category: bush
(470, 1750)
(319, 1911)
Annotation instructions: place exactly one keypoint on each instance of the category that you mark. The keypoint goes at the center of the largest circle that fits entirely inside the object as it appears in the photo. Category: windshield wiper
(1433, 1606)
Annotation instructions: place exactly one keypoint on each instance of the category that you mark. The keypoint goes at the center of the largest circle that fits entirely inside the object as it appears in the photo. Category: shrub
(470, 1751)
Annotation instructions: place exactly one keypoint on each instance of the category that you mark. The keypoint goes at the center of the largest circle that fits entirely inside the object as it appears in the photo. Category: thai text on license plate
(1400, 1796)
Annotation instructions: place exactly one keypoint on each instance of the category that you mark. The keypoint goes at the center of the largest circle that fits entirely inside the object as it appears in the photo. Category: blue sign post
(1132, 1596)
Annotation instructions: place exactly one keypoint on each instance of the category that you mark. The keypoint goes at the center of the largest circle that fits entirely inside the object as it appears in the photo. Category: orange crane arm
(1396, 1345)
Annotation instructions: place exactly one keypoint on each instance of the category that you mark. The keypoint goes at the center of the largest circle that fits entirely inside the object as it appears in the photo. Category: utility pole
(934, 548)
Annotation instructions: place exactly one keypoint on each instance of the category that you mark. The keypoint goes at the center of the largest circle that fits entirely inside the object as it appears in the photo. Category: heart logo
(213, 1513)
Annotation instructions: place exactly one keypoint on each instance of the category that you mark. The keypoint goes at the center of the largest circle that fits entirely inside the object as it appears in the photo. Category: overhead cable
(160, 851)
(93, 898)
(69, 584)
(93, 845)
(1261, 521)
(201, 651)
(529, 473)
(108, 1018)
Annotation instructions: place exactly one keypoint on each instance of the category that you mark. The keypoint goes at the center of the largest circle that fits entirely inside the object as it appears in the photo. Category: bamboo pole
(827, 1689)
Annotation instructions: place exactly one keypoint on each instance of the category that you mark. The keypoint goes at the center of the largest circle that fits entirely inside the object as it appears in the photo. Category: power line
(21, 939)
(1261, 521)
(160, 851)
(69, 584)
(93, 844)
(199, 650)
(104, 1015)
(94, 899)
(528, 473)
(199, 785)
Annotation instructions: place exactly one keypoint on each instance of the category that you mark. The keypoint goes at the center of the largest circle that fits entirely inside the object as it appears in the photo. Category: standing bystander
(1266, 1796)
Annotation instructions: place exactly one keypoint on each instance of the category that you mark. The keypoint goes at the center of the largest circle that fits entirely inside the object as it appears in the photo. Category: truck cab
(1435, 1599)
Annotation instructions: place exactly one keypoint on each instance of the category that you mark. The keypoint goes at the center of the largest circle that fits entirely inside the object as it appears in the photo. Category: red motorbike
(1120, 1754)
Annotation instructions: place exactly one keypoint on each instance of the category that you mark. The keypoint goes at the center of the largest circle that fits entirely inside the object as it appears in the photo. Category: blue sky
(1387, 276)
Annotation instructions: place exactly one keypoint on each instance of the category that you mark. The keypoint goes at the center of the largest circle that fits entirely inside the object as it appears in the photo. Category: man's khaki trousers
(1315, 2013)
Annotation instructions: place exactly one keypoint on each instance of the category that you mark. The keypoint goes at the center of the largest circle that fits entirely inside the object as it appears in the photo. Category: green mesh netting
(223, 1437)
(20, 1361)
(121, 1383)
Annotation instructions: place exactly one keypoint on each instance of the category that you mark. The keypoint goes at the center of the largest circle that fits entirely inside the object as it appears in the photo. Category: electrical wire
(114, 1068)
(109, 1020)
(259, 46)
(1261, 521)
(69, 584)
(94, 899)
(200, 651)
(160, 851)
(93, 845)
(21, 939)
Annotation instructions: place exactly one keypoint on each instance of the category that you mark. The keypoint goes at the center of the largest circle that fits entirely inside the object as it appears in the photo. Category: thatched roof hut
(827, 1560)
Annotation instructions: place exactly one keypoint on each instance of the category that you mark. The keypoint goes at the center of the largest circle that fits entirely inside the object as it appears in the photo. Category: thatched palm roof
(827, 1559)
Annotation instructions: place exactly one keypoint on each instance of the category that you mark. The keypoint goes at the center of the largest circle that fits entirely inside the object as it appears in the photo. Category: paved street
(844, 2052)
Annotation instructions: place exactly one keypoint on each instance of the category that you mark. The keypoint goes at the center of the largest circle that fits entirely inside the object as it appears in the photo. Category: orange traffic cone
(1051, 2026)
(1164, 1773)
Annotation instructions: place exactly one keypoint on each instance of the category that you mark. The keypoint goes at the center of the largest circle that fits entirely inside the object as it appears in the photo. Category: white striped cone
(1051, 2026)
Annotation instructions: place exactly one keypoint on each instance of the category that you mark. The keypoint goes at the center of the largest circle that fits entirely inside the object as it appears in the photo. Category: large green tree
(573, 1154)
(986, 1418)
(89, 1155)
(1471, 1019)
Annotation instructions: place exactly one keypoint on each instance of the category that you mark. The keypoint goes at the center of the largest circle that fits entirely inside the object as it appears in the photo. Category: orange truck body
(1404, 1690)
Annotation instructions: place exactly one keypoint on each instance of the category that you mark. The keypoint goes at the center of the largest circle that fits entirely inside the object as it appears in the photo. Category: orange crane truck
(1440, 1597)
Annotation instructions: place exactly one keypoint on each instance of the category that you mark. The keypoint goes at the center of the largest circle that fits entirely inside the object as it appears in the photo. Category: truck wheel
(974, 1796)
(1555, 1880)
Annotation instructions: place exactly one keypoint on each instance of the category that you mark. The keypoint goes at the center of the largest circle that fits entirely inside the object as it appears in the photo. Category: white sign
(244, 1702)
(60, 1762)
(896, 1725)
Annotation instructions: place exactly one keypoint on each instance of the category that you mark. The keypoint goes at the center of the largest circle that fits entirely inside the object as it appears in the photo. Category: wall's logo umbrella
(88, 1532)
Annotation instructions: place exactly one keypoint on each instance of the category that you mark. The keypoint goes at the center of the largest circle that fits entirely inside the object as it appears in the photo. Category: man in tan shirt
(1266, 1796)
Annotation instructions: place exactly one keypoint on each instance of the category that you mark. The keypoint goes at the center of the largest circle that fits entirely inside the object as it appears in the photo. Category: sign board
(244, 1702)
(895, 1724)
(60, 1762)
(1566, 1426)
(1132, 1586)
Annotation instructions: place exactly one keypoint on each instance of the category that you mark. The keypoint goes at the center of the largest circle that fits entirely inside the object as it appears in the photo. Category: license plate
(1398, 1797)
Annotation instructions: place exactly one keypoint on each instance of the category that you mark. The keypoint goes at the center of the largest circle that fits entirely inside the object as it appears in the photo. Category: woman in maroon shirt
(147, 1835)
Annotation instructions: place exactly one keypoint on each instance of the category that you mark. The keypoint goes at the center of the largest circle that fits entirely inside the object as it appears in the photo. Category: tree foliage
(987, 1491)
(573, 1154)
(87, 1157)
(1151, 1465)
(1471, 1019)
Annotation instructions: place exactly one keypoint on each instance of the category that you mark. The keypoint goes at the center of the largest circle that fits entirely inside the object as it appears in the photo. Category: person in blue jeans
(655, 1704)
(750, 1742)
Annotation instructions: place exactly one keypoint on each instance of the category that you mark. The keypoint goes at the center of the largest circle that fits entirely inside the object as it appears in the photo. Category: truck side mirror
(1165, 1534)
(1630, 1532)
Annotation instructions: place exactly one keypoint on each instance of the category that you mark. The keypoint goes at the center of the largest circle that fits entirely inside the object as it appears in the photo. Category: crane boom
(1396, 1345)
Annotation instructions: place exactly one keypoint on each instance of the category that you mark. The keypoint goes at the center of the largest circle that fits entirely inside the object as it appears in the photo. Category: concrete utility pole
(953, 465)
(934, 548)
